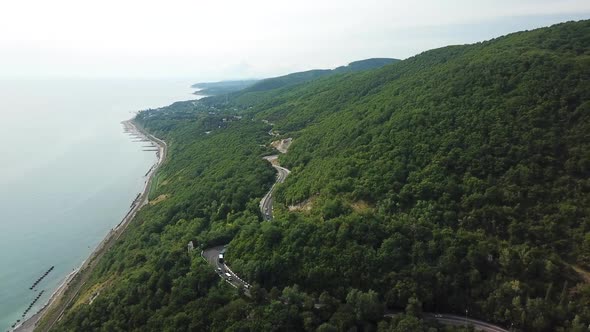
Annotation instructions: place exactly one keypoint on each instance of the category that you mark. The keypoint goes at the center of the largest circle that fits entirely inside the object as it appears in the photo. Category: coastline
(68, 290)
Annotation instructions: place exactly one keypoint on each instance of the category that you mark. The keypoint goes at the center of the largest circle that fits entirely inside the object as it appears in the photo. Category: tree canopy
(458, 179)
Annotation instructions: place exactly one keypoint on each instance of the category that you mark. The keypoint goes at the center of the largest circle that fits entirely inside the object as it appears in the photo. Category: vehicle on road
(220, 258)
(228, 276)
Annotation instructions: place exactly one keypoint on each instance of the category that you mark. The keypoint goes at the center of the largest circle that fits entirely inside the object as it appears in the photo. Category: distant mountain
(225, 87)
(222, 87)
(306, 76)
(258, 91)
(365, 65)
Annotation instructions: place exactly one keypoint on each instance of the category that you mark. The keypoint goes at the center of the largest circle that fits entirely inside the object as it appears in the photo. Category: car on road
(228, 276)
(218, 269)
(438, 316)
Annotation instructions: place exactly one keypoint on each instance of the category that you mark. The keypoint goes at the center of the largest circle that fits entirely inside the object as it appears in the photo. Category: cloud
(206, 38)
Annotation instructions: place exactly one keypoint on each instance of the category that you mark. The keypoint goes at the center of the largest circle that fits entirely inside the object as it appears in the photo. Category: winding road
(266, 202)
(478, 325)
(211, 255)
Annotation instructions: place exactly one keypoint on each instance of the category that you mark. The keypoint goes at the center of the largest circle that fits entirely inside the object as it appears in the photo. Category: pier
(138, 137)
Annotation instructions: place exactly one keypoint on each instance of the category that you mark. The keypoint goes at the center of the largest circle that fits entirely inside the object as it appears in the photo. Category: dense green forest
(458, 179)
(222, 87)
(267, 89)
(310, 75)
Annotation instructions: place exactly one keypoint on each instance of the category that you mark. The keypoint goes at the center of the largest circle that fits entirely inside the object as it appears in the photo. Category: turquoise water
(68, 174)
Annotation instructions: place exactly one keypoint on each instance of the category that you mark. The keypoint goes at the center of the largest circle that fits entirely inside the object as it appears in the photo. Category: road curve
(455, 320)
(266, 202)
(211, 255)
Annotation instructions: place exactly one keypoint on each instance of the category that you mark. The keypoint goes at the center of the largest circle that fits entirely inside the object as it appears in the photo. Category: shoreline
(80, 275)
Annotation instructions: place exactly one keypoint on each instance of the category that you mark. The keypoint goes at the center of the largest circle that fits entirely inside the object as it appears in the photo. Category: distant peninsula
(227, 87)
(222, 87)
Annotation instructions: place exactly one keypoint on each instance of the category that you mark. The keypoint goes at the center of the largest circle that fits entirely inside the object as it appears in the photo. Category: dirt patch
(92, 293)
(282, 145)
(159, 199)
(583, 273)
(274, 160)
(361, 206)
(304, 206)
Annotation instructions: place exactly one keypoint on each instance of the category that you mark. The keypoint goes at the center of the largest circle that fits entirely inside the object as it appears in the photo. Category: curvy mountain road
(455, 320)
(212, 256)
(266, 202)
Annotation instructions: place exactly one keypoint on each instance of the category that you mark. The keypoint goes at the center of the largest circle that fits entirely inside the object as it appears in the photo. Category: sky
(232, 39)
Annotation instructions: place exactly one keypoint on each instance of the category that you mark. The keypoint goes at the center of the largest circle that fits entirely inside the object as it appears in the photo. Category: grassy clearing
(159, 199)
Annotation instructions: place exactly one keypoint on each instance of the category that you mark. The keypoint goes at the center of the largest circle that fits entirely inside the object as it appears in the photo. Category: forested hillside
(223, 87)
(306, 76)
(268, 88)
(455, 181)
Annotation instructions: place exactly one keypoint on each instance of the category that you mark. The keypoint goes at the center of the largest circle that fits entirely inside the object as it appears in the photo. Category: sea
(68, 175)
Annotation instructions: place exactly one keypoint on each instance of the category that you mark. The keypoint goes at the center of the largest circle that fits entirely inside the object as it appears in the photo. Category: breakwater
(41, 277)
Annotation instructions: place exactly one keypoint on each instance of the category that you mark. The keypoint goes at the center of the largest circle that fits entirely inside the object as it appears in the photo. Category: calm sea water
(68, 174)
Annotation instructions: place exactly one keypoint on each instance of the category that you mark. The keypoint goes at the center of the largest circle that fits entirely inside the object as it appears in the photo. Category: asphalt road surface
(455, 320)
(211, 255)
(266, 202)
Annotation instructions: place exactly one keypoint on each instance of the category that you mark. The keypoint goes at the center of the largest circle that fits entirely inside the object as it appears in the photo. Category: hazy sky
(220, 39)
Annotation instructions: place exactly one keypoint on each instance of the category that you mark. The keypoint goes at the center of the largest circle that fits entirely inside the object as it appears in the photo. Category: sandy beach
(68, 290)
